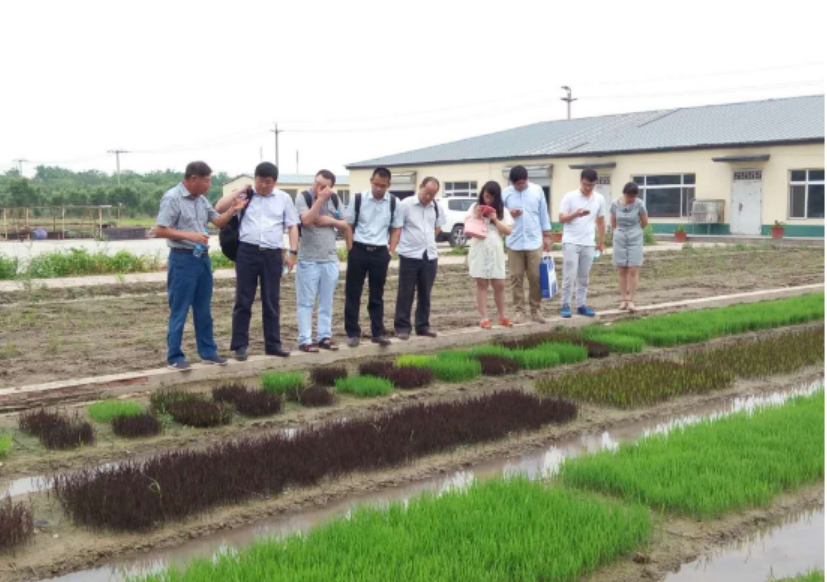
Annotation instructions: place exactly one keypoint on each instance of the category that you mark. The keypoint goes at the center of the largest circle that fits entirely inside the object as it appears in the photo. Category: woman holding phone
(486, 259)
(629, 218)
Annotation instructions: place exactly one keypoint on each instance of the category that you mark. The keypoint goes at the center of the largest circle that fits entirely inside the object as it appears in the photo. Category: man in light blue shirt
(526, 202)
(269, 214)
(376, 226)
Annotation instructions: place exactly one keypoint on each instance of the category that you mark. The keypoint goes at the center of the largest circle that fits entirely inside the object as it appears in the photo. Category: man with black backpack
(376, 227)
(317, 273)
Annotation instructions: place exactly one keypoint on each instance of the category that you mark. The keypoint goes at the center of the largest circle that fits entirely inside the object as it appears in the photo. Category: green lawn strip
(278, 383)
(811, 576)
(364, 386)
(715, 466)
(499, 530)
(703, 325)
(5, 444)
(106, 410)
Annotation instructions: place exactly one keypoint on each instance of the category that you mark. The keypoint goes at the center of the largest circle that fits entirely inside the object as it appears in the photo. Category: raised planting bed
(136, 426)
(635, 383)
(57, 430)
(703, 325)
(106, 410)
(707, 469)
(16, 524)
(498, 530)
(137, 495)
(327, 375)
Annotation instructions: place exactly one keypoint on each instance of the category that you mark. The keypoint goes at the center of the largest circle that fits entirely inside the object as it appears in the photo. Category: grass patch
(635, 383)
(106, 410)
(136, 426)
(16, 523)
(79, 262)
(220, 261)
(278, 383)
(811, 576)
(364, 386)
(716, 466)
(5, 444)
(140, 494)
(327, 375)
(499, 530)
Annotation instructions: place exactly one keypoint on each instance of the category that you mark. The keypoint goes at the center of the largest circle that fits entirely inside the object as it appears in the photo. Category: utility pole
(20, 162)
(118, 161)
(297, 162)
(568, 99)
(276, 131)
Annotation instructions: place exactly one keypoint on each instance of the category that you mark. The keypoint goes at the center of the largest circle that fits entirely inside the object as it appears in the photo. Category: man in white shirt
(417, 259)
(269, 214)
(581, 212)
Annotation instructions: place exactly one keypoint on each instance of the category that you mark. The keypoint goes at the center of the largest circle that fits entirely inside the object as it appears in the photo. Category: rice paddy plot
(500, 530)
(713, 467)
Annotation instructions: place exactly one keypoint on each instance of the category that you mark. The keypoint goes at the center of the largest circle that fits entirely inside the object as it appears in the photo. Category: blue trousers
(189, 284)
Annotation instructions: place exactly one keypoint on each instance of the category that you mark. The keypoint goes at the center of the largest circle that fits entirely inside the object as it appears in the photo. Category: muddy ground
(58, 334)
(61, 547)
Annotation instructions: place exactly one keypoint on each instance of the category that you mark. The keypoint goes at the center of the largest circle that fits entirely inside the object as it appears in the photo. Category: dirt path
(62, 547)
(61, 334)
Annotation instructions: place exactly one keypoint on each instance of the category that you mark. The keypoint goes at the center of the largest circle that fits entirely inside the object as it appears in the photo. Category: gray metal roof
(299, 179)
(797, 119)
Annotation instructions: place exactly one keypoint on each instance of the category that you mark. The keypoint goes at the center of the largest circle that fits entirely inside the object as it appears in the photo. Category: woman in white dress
(486, 259)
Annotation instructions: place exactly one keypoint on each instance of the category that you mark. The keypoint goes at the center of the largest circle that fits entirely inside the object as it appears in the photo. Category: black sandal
(327, 344)
(309, 348)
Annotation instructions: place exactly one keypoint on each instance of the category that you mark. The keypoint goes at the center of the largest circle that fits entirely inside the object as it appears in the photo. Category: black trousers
(361, 262)
(415, 275)
(251, 265)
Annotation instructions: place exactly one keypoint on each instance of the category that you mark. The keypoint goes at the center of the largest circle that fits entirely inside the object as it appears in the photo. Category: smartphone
(587, 211)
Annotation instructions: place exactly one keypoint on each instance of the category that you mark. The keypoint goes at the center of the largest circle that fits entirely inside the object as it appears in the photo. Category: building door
(604, 188)
(745, 208)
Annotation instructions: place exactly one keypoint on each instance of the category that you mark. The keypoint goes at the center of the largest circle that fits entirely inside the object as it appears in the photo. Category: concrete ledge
(97, 387)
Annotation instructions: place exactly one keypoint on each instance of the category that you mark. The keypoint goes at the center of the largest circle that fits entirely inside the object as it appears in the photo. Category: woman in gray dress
(629, 218)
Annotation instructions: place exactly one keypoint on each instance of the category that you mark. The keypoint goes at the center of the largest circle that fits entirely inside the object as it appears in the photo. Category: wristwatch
(292, 252)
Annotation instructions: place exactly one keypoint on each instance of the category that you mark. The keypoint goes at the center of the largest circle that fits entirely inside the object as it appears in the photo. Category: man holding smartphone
(581, 212)
(531, 234)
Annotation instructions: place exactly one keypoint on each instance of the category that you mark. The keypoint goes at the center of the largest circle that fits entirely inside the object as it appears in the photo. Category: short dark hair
(517, 174)
(631, 188)
(382, 173)
(327, 175)
(200, 169)
(588, 175)
(430, 179)
(494, 189)
(267, 170)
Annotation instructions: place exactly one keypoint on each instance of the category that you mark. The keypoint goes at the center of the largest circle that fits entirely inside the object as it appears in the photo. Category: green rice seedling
(716, 466)
(160, 401)
(490, 350)
(106, 410)
(497, 530)
(364, 386)
(635, 383)
(415, 360)
(624, 344)
(455, 368)
(278, 383)
(755, 358)
(536, 358)
(5, 444)
(568, 353)
(811, 576)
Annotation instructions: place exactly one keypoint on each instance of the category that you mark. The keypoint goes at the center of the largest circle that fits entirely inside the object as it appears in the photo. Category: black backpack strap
(393, 209)
(436, 209)
(357, 201)
(336, 201)
(307, 199)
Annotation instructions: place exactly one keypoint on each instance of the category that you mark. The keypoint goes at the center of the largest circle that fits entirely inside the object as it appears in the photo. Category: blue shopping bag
(548, 277)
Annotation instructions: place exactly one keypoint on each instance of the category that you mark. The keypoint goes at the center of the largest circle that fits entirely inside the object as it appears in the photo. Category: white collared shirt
(418, 228)
(267, 218)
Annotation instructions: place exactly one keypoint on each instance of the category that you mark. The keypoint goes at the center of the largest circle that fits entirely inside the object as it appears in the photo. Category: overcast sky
(176, 81)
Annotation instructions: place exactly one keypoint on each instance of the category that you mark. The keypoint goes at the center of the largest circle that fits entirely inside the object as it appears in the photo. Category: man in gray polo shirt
(417, 259)
(183, 220)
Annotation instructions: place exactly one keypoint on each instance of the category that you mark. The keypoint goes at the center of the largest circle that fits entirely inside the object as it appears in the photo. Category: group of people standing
(376, 225)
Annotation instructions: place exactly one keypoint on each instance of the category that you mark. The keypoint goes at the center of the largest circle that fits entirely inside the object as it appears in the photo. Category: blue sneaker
(565, 311)
(583, 310)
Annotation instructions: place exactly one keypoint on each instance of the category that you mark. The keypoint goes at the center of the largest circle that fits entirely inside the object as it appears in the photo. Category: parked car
(455, 209)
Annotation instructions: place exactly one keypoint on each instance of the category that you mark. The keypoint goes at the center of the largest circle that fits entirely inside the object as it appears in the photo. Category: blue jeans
(189, 284)
(315, 279)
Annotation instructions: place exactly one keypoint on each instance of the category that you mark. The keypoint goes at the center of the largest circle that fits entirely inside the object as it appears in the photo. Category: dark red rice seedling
(327, 375)
(56, 430)
(410, 377)
(16, 524)
(497, 365)
(256, 403)
(316, 396)
(137, 495)
(228, 393)
(377, 368)
(160, 401)
(596, 349)
(200, 413)
(141, 425)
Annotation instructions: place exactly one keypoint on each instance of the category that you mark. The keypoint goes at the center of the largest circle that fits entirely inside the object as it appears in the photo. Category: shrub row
(56, 430)
(16, 523)
(140, 494)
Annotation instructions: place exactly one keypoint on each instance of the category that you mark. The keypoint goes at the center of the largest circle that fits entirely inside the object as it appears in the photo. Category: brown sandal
(327, 344)
(309, 348)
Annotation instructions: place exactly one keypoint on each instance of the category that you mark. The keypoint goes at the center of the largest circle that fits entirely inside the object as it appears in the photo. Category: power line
(568, 99)
(20, 162)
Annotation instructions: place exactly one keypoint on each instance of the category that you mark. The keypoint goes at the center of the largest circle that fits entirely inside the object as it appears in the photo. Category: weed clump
(200, 413)
(56, 430)
(497, 365)
(106, 410)
(364, 386)
(16, 524)
(141, 425)
(327, 375)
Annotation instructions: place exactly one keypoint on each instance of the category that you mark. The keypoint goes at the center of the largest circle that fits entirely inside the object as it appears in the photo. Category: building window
(807, 194)
(667, 195)
(344, 196)
(459, 189)
(292, 192)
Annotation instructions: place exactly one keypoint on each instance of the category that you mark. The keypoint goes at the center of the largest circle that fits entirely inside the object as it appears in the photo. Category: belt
(370, 248)
(187, 251)
(260, 248)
